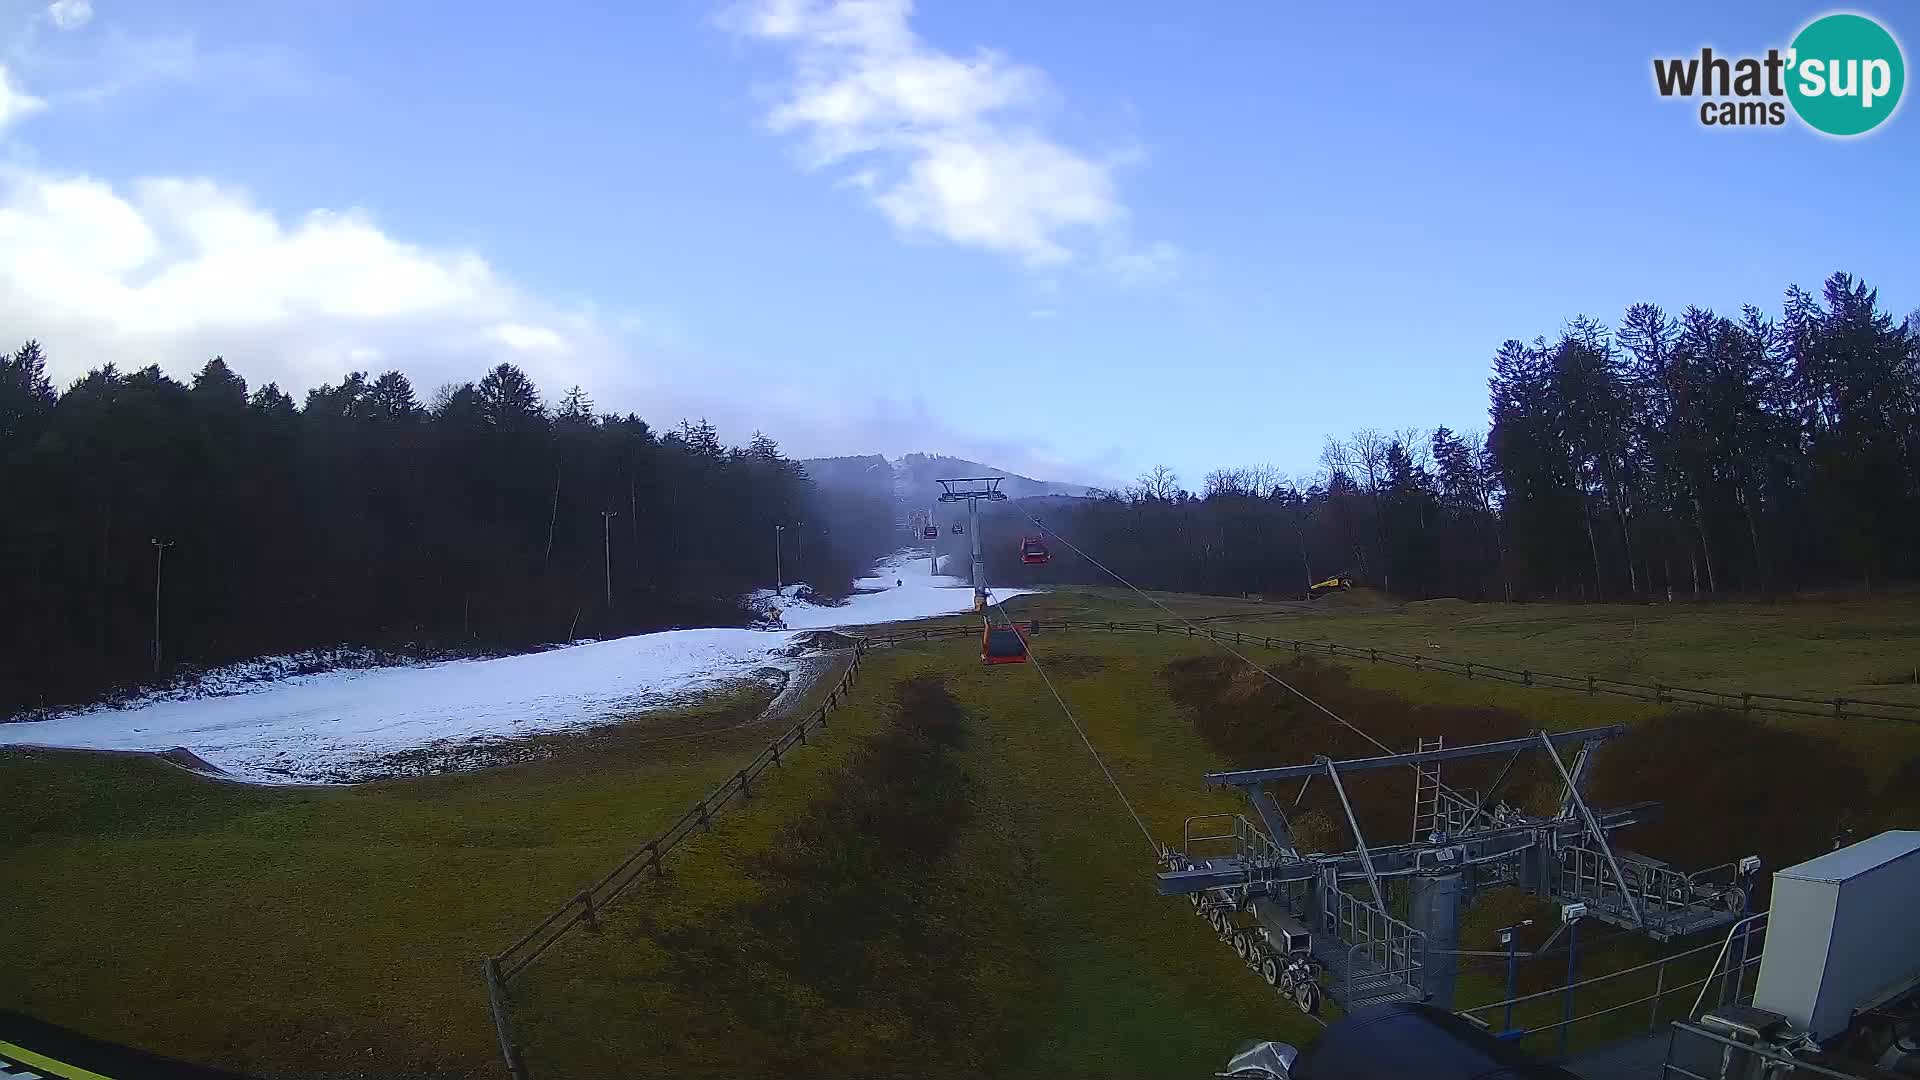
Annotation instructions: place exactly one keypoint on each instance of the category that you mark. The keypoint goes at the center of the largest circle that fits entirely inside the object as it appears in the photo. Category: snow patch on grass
(345, 725)
(902, 587)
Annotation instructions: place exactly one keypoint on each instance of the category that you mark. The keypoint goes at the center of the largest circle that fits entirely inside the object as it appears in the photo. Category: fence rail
(1743, 701)
(646, 861)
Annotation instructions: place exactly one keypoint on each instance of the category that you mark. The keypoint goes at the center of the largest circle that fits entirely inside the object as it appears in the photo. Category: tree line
(481, 519)
(1668, 457)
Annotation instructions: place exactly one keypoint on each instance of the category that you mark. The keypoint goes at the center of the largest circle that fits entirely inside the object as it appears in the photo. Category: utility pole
(606, 541)
(779, 578)
(159, 556)
(933, 548)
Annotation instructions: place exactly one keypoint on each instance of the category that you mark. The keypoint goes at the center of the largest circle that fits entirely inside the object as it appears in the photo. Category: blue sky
(1074, 239)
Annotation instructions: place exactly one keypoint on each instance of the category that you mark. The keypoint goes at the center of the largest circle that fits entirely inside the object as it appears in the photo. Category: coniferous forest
(1680, 457)
(479, 519)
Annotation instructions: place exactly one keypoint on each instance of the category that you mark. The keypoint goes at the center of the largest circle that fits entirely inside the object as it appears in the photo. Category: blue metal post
(1513, 983)
(1566, 1009)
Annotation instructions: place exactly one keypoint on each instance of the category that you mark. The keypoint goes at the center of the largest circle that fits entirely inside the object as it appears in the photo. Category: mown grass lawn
(315, 931)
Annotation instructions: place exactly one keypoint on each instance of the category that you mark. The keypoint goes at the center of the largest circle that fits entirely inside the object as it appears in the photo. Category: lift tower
(1336, 911)
(977, 488)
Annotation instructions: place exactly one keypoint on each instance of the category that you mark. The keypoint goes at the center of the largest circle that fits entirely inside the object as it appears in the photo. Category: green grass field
(315, 932)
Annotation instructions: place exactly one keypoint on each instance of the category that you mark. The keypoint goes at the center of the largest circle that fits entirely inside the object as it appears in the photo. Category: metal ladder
(1426, 791)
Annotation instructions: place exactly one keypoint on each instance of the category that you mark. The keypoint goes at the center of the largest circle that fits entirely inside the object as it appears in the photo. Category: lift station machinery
(1292, 914)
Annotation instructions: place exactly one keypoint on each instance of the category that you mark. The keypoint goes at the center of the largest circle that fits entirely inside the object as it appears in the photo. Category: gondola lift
(1002, 644)
(931, 532)
(957, 530)
(1033, 550)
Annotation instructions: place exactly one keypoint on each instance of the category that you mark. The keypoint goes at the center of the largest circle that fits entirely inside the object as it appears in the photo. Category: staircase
(1369, 955)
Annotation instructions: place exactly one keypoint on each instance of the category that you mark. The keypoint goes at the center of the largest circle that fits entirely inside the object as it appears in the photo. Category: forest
(237, 523)
(1668, 457)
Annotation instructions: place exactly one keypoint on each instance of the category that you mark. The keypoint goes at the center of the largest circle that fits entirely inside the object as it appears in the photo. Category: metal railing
(1660, 890)
(1387, 946)
(1746, 702)
(1711, 1056)
(1663, 987)
(1249, 840)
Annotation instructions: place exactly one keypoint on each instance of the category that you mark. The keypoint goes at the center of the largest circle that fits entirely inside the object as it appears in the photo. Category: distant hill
(912, 478)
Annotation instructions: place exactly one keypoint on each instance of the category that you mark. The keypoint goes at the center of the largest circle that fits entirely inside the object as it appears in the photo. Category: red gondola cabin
(1002, 645)
(931, 532)
(1033, 551)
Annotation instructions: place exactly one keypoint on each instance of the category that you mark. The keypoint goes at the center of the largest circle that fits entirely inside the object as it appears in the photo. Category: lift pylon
(976, 489)
(1462, 841)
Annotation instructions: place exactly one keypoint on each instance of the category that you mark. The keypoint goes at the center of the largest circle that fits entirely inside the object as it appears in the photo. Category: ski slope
(342, 726)
(902, 587)
(345, 726)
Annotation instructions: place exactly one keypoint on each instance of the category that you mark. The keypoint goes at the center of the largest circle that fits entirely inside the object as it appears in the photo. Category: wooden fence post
(1526, 678)
(1590, 694)
(746, 792)
(497, 1005)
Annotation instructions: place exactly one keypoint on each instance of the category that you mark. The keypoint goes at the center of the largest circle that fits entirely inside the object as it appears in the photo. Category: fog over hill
(912, 478)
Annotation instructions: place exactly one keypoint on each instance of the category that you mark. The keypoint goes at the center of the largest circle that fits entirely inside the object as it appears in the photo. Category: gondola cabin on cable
(957, 530)
(1002, 644)
(931, 532)
(1033, 551)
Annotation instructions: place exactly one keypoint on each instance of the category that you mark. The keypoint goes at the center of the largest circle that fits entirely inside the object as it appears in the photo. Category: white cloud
(70, 14)
(14, 102)
(175, 270)
(945, 146)
(527, 338)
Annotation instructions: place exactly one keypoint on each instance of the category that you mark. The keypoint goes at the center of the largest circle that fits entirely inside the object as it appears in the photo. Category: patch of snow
(901, 588)
(345, 725)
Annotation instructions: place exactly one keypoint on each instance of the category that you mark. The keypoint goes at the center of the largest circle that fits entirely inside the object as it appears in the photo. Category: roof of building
(1856, 859)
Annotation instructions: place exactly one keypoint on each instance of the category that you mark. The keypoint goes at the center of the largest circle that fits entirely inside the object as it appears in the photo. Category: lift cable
(1297, 692)
(1080, 731)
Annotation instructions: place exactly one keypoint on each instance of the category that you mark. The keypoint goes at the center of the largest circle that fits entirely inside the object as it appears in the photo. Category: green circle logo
(1845, 74)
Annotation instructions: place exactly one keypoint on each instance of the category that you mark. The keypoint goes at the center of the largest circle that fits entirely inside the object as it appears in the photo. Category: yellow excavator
(1336, 583)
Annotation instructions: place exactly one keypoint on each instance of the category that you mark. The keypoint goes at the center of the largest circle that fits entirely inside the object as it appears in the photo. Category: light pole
(606, 541)
(779, 581)
(1507, 937)
(159, 556)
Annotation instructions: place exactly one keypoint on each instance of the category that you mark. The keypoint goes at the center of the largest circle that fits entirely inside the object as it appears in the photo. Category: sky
(1072, 239)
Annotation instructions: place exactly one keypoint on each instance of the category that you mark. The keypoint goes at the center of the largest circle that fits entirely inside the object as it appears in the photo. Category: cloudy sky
(1074, 239)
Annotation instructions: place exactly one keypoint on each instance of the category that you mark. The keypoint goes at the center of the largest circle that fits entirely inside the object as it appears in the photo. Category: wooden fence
(1744, 701)
(646, 862)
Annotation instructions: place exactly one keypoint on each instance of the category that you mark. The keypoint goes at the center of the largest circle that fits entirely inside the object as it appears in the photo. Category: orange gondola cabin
(1002, 644)
(1033, 550)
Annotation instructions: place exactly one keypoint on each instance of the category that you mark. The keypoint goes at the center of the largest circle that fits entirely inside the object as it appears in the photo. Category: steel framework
(1461, 841)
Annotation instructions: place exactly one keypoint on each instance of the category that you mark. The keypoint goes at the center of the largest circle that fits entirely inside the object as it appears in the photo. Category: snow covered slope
(349, 725)
(342, 726)
(901, 587)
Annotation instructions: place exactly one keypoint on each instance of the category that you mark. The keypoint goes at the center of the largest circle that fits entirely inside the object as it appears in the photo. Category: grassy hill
(945, 874)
